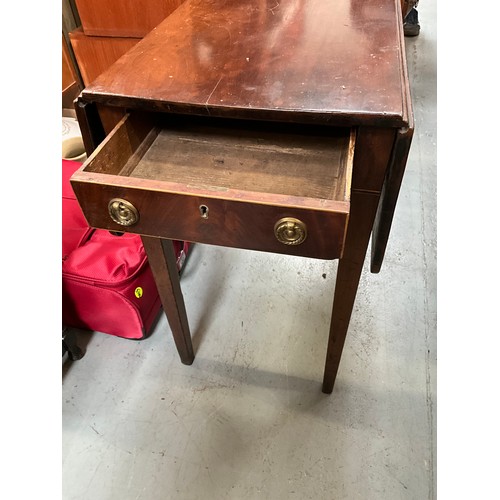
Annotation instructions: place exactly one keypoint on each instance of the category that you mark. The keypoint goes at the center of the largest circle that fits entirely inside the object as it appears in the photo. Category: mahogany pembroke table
(274, 125)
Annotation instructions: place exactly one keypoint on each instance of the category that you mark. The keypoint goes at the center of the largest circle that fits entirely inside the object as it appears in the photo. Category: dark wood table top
(311, 61)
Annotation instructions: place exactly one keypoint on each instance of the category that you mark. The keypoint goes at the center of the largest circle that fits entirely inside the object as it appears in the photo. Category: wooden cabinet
(109, 28)
(70, 82)
(123, 18)
(69, 76)
(95, 54)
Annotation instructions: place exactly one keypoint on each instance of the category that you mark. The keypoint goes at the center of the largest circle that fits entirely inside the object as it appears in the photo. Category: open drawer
(273, 187)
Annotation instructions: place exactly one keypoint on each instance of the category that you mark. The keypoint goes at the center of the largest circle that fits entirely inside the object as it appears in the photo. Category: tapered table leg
(371, 159)
(162, 259)
(363, 210)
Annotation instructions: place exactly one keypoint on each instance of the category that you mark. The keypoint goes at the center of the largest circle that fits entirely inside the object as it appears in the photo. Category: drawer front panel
(216, 221)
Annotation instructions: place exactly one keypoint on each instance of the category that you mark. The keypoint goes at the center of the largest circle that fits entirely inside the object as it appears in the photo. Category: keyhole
(204, 211)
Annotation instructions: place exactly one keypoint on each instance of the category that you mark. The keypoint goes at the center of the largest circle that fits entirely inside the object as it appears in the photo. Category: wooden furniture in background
(70, 82)
(94, 55)
(69, 76)
(281, 127)
(109, 28)
(123, 18)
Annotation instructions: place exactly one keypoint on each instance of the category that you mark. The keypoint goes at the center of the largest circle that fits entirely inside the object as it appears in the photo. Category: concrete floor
(248, 419)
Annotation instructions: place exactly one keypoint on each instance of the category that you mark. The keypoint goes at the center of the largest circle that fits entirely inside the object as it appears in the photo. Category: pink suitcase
(107, 284)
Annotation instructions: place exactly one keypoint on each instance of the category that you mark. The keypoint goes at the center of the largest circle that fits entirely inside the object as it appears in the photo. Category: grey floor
(248, 419)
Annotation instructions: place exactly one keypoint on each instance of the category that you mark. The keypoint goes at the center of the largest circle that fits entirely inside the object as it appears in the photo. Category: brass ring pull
(290, 231)
(123, 212)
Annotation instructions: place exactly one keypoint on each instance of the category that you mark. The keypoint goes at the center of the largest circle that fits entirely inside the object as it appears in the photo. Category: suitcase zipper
(114, 284)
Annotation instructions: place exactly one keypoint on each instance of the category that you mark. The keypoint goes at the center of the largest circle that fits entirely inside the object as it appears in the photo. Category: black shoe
(410, 25)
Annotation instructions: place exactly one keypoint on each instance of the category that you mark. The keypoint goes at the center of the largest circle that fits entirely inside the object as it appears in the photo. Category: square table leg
(371, 160)
(363, 210)
(162, 259)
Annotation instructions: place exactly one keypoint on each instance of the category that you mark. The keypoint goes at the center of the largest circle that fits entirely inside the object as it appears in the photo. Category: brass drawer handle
(123, 212)
(290, 231)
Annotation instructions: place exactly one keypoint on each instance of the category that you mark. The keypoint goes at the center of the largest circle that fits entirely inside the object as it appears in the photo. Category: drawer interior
(289, 160)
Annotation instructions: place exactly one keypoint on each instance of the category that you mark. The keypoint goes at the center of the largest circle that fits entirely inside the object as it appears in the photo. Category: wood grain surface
(324, 61)
(251, 159)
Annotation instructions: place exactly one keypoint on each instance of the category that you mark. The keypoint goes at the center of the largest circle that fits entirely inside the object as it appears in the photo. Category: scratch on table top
(211, 93)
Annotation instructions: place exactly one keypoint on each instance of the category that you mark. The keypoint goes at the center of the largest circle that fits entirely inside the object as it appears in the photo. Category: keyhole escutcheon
(204, 211)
